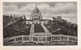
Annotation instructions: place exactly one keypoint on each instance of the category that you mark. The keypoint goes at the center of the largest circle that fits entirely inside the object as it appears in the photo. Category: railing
(41, 39)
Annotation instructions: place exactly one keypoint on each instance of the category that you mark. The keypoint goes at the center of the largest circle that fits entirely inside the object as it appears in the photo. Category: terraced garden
(38, 28)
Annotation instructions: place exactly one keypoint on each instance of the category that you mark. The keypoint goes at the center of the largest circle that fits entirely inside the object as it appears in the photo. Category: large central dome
(36, 10)
(36, 14)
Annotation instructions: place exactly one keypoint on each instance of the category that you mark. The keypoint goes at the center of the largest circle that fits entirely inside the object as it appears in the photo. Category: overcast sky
(68, 10)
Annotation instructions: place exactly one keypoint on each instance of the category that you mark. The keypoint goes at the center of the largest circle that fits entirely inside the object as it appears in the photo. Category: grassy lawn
(38, 28)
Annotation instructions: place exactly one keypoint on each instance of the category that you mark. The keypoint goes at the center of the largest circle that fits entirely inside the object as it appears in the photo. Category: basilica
(36, 17)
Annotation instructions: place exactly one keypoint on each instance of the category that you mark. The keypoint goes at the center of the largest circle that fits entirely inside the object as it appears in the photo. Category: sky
(68, 10)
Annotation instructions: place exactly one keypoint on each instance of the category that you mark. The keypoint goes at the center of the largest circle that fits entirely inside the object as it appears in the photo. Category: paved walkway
(45, 29)
(42, 25)
(32, 29)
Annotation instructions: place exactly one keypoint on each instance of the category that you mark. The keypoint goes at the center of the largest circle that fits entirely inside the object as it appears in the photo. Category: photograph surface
(40, 23)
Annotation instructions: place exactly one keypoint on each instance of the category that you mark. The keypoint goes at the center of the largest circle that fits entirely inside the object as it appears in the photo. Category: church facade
(36, 17)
